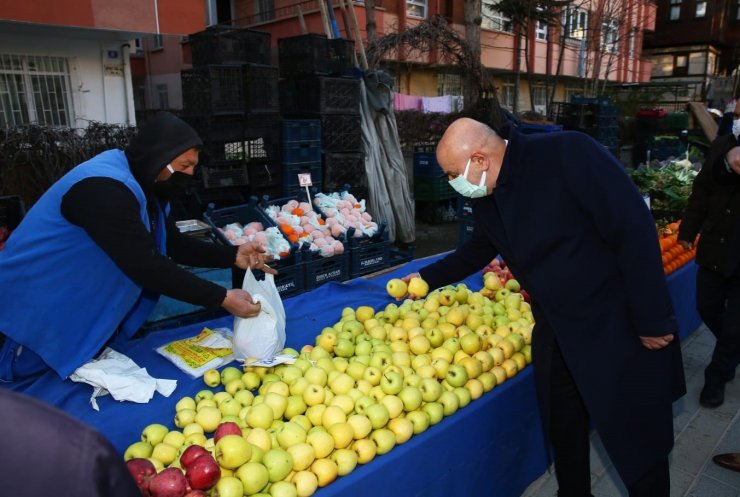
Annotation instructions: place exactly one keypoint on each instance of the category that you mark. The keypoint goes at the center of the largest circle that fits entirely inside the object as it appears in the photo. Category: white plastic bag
(262, 336)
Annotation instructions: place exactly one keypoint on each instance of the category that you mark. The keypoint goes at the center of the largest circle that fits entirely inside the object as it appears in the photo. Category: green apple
(232, 451)
(279, 464)
(391, 382)
(259, 416)
(402, 428)
(325, 470)
(441, 366)
(174, 438)
(165, 453)
(430, 389)
(205, 403)
(342, 434)
(244, 397)
(333, 415)
(412, 380)
(154, 433)
(363, 403)
(291, 434)
(452, 344)
(361, 425)
(230, 407)
(316, 376)
(378, 415)
(488, 380)
(230, 373)
(295, 406)
(475, 387)
(314, 413)
(314, 395)
(303, 455)
(209, 417)
(396, 288)
(283, 489)
(411, 398)
(251, 380)
(322, 443)
(342, 384)
(253, 476)
(450, 402)
(365, 450)
(393, 404)
(184, 417)
(138, 450)
(229, 486)
(456, 375)
(384, 440)
(185, 403)
(435, 412)
(346, 461)
(356, 369)
(212, 378)
(195, 439)
(463, 396)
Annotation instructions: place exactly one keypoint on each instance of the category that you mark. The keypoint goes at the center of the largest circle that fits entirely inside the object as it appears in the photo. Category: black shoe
(712, 395)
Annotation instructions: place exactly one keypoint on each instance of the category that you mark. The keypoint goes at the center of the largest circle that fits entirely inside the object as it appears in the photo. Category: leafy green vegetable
(668, 183)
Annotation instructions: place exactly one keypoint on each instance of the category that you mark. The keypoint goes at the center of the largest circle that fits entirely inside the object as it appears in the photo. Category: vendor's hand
(733, 159)
(686, 245)
(252, 255)
(655, 343)
(406, 280)
(239, 303)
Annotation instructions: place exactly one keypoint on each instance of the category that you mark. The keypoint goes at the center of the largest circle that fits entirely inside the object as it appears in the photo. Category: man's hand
(251, 255)
(733, 159)
(686, 245)
(239, 303)
(406, 280)
(655, 343)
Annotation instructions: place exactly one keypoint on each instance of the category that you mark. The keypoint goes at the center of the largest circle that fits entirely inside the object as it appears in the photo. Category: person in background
(90, 259)
(713, 210)
(577, 235)
(54, 454)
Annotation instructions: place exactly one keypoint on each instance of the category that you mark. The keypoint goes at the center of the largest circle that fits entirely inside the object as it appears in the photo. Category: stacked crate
(317, 82)
(433, 195)
(301, 152)
(595, 116)
(230, 97)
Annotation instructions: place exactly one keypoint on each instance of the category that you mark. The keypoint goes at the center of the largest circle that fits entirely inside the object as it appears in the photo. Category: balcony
(287, 12)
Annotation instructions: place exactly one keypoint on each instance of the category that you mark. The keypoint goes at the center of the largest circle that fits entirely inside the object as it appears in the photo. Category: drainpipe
(128, 94)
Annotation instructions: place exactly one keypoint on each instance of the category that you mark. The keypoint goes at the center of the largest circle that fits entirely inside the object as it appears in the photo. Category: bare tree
(371, 25)
(472, 37)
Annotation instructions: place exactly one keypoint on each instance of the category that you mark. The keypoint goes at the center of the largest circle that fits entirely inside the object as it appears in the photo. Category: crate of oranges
(673, 254)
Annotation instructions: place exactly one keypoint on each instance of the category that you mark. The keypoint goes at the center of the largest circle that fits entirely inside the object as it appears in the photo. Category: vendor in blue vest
(568, 221)
(88, 262)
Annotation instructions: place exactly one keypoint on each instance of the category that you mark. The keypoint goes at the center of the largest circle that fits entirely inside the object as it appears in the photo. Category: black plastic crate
(217, 197)
(341, 133)
(263, 175)
(12, 211)
(341, 169)
(319, 95)
(253, 140)
(301, 152)
(465, 231)
(290, 280)
(295, 191)
(301, 130)
(230, 89)
(227, 45)
(314, 54)
(436, 212)
(224, 174)
(291, 172)
(425, 164)
(433, 189)
(320, 270)
(369, 257)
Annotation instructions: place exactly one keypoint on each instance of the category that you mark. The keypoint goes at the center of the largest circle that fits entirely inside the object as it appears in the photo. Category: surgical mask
(736, 128)
(174, 186)
(465, 188)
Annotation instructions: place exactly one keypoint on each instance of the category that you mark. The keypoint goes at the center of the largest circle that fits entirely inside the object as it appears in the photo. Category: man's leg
(654, 483)
(726, 355)
(711, 294)
(569, 429)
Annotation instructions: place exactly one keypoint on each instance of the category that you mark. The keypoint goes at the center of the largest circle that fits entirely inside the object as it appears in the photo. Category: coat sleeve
(602, 189)
(467, 259)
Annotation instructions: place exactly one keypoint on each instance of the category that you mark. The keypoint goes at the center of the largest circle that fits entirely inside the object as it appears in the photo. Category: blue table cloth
(492, 447)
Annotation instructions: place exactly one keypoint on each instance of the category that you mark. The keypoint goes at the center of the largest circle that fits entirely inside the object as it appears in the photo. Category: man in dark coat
(714, 211)
(576, 233)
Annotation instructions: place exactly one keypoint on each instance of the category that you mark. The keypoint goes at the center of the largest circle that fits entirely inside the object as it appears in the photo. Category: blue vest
(61, 295)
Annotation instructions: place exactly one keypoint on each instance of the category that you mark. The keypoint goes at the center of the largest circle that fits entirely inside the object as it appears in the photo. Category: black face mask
(172, 187)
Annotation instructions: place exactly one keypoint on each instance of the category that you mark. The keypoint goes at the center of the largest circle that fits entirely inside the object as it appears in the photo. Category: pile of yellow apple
(370, 382)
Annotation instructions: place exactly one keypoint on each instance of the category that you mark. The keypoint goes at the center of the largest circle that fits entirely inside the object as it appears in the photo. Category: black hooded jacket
(109, 212)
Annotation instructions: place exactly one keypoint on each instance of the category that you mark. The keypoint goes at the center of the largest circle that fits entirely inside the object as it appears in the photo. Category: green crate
(432, 189)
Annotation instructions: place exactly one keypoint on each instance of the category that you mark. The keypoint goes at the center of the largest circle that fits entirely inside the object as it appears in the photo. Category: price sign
(304, 179)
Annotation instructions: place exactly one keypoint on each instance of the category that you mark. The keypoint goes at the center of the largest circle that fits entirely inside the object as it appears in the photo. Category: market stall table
(492, 447)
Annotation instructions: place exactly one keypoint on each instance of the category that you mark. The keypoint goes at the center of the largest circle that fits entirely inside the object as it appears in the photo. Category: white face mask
(465, 188)
(736, 128)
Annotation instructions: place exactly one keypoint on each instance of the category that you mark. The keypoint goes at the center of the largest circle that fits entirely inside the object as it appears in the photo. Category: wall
(95, 95)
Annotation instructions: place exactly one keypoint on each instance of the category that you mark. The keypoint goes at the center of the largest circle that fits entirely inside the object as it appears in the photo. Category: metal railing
(287, 12)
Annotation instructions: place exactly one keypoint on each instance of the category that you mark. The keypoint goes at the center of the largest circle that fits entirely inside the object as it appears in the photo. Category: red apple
(143, 471)
(227, 428)
(191, 454)
(525, 296)
(196, 493)
(495, 262)
(203, 473)
(169, 482)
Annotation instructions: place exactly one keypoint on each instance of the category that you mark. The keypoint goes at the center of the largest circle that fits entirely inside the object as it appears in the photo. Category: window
(157, 42)
(675, 10)
(571, 91)
(163, 100)
(138, 45)
(506, 98)
(540, 30)
(632, 42)
(34, 89)
(737, 15)
(265, 10)
(575, 21)
(698, 63)
(680, 65)
(493, 18)
(416, 8)
(701, 9)
(610, 35)
(539, 99)
(449, 84)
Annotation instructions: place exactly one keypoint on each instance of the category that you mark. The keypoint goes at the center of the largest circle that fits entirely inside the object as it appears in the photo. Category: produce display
(668, 183)
(343, 211)
(370, 382)
(302, 225)
(673, 255)
(269, 239)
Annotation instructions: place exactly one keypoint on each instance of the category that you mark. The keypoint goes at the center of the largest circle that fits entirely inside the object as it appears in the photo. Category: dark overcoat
(578, 236)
